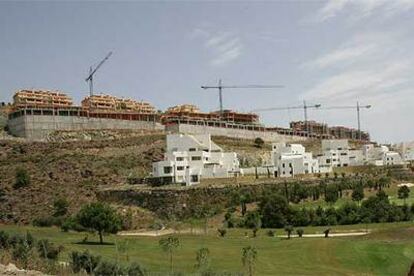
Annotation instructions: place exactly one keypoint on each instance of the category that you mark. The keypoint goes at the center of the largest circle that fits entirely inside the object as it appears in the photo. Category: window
(194, 178)
(180, 159)
(180, 168)
(283, 165)
(195, 158)
(167, 169)
(192, 149)
(344, 153)
(290, 165)
(328, 161)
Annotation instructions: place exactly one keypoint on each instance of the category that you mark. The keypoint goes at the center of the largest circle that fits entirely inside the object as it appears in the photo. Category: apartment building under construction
(322, 130)
(41, 98)
(188, 112)
(111, 103)
(37, 113)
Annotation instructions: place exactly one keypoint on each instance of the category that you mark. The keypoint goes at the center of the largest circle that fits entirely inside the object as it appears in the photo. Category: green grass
(391, 192)
(388, 250)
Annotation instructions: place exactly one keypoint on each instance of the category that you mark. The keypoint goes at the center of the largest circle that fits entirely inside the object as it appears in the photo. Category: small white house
(409, 154)
(392, 158)
(381, 156)
(291, 160)
(188, 158)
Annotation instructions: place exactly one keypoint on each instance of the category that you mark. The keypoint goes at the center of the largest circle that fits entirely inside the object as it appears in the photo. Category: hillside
(74, 164)
(72, 170)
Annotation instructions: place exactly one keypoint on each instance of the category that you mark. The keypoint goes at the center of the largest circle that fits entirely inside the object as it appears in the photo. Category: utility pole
(220, 87)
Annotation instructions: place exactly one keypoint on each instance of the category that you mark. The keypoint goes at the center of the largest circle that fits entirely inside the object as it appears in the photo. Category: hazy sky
(328, 52)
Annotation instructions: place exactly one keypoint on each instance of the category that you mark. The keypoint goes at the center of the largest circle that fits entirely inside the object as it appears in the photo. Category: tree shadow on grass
(93, 243)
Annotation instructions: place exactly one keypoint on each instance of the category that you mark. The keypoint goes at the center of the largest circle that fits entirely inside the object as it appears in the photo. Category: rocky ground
(11, 269)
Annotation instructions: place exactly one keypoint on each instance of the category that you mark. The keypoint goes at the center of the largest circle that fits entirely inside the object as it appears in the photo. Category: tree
(326, 232)
(331, 195)
(22, 179)
(274, 210)
(300, 232)
(358, 193)
(403, 192)
(99, 217)
(202, 258)
(169, 245)
(289, 230)
(249, 257)
(61, 207)
(258, 142)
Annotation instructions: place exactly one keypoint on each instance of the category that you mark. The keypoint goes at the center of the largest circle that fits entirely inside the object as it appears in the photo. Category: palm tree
(169, 245)
(249, 257)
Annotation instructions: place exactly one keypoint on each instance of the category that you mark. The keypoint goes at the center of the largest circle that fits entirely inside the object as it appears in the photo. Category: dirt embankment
(71, 170)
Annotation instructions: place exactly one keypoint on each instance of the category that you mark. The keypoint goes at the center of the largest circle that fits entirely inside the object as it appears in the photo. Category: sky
(332, 53)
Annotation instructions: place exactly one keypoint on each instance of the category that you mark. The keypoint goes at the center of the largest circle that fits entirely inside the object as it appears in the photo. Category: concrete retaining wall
(268, 136)
(37, 127)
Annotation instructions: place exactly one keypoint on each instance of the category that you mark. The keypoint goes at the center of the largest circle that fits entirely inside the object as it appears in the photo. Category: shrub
(270, 233)
(299, 232)
(222, 232)
(47, 221)
(108, 268)
(47, 250)
(83, 261)
(72, 224)
(61, 207)
(22, 179)
(258, 142)
(4, 240)
(135, 270)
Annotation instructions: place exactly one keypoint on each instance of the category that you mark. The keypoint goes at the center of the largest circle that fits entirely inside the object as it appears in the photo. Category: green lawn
(388, 250)
(391, 192)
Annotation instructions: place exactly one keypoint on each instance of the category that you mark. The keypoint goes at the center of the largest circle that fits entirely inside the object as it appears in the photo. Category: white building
(291, 160)
(409, 155)
(188, 158)
(381, 156)
(392, 158)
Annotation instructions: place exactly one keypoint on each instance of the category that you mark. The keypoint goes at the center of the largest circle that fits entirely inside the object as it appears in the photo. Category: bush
(47, 221)
(47, 250)
(22, 179)
(61, 207)
(299, 232)
(83, 261)
(270, 233)
(222, 232)
(72, 224)
(108, 268)
(4, 240)
(258, 142)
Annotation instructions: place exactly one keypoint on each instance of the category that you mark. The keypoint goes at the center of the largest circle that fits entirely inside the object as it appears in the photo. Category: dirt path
(163, 232)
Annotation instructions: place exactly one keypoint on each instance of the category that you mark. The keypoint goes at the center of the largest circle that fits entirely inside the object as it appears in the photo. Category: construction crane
(305, 108)
(358, 108)
(93, 71)
(220, 88)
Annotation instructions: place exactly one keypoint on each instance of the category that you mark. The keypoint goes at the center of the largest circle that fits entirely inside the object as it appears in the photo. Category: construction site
(34, 114)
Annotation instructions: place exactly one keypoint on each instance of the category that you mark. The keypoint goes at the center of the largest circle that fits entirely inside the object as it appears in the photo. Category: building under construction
(323, 131)
(188, 112)
(37, 113)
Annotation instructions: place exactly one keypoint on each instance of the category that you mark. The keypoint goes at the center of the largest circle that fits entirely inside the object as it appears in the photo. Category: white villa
(291, 160)
(381, 156)
(188, 158)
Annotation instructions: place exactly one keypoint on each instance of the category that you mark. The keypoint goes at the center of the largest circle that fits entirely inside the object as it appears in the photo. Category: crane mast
(220, 87)
(92, 72)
